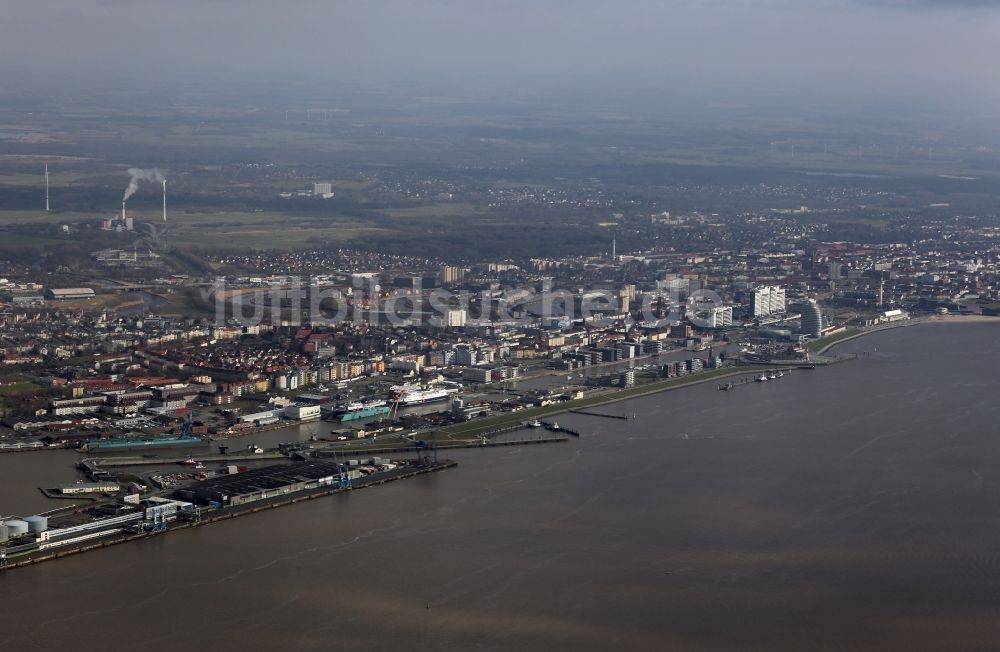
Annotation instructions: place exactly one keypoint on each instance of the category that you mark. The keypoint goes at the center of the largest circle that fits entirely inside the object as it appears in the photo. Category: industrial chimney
(164, 200)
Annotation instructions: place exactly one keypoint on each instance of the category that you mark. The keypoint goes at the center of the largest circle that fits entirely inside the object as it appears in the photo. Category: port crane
(158, 523)
(343, 471)
(187, 427)
(393, 411)
(422, 446)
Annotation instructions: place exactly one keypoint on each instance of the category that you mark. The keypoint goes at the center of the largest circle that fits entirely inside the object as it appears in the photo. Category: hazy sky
(922, 46)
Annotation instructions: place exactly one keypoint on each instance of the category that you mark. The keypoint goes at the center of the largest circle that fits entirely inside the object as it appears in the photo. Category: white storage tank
(4, 533)
(16, 527)
(37, 524)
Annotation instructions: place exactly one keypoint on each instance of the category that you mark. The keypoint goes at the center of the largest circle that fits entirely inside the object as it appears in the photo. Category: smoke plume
(138, 174)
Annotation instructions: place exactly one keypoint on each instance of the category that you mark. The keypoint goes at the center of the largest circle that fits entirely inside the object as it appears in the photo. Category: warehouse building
(87, 488)
(262, 483)
(68, 294)
(262, 418)
(303, 412)
(164, 509)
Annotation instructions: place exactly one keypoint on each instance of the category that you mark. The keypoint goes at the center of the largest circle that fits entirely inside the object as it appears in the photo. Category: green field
(187, 303)
(10, 392)
(21, 242)
(221, 230)
(41, 217)
(265, 230)
(444, 210)
(192, 229)
(18, 388)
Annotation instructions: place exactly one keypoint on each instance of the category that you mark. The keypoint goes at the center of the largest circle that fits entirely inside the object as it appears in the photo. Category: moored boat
(359, 410)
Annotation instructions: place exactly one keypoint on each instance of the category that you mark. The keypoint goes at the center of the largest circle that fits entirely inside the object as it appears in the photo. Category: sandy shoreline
(932, 319)
(940, 319)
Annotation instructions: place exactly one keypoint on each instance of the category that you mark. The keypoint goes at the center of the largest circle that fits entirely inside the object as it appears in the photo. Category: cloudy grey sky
(925, 46)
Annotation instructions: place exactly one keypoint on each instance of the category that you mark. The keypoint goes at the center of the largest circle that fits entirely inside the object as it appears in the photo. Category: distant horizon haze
(883, 52)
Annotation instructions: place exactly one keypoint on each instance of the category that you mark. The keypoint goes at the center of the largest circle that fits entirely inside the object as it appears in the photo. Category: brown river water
(855, 507)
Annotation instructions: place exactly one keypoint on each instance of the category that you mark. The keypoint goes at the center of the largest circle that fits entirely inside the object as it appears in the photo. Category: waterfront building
(87, 488)
(812, 319)
(627, 378)
(302, 412)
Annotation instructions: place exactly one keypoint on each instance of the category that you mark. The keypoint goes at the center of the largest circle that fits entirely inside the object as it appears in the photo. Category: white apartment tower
(767, 300)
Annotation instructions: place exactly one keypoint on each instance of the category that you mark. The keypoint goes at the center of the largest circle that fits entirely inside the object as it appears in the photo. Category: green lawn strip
(477, 427)
(822, 344)
(18, 388)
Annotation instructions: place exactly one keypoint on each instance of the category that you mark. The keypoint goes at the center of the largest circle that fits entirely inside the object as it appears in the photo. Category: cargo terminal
(31, 533)
(233, 491)
(277, 480)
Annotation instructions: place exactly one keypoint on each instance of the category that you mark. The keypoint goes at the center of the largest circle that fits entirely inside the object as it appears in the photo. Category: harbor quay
(37, 539)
